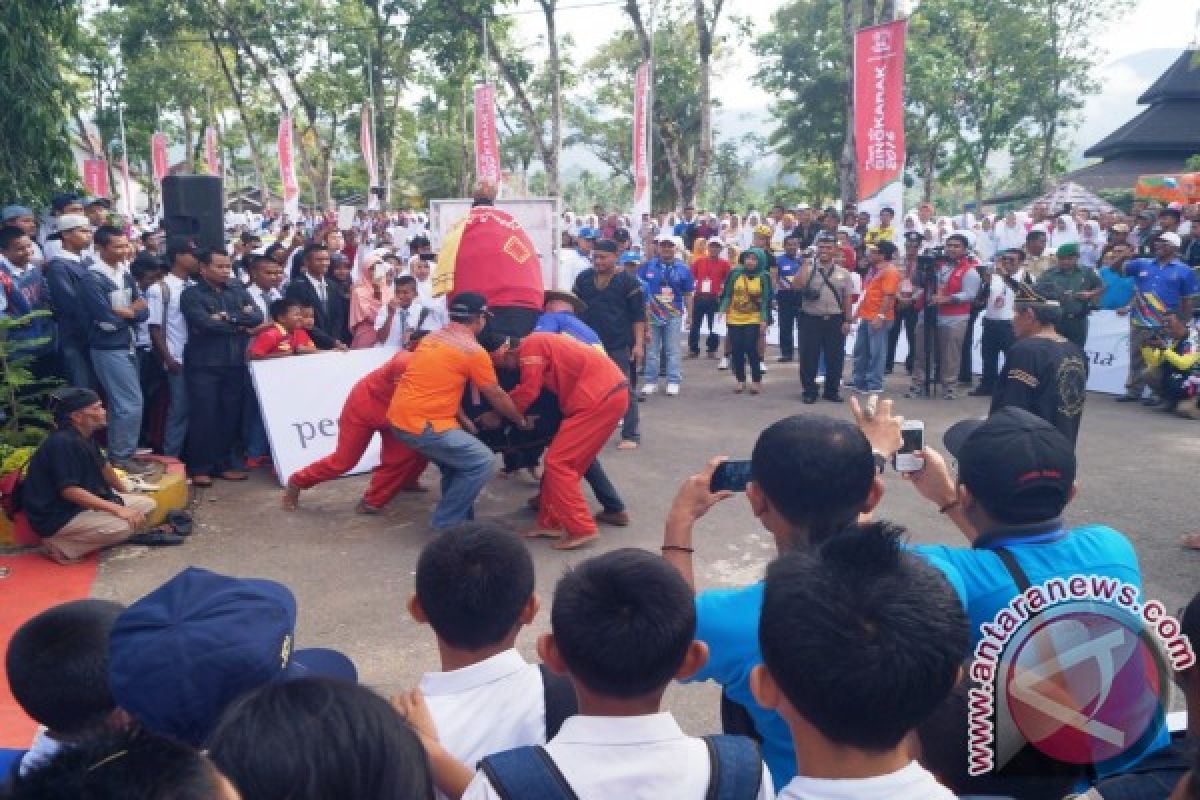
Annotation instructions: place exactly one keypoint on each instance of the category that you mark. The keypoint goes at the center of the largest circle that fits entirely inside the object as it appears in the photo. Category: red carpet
(33, 584)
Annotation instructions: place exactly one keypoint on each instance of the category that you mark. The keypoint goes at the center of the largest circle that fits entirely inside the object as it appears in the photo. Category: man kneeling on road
(73, 497)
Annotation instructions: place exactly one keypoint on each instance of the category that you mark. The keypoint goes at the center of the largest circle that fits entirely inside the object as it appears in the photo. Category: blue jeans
(254, 432)
(668, 333)
(176, 425)
(117, 371)
(466, 463)
(870, 356)
(78, 367)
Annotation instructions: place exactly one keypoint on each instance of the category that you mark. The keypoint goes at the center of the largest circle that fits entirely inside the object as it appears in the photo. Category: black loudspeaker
(193, 206)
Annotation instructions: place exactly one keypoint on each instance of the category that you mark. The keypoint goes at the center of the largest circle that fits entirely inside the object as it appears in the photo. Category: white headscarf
(1009, 232)
(1064, 232)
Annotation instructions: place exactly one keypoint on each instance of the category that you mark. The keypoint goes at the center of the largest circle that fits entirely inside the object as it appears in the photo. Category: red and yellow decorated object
(1184, 188)
(489, 252)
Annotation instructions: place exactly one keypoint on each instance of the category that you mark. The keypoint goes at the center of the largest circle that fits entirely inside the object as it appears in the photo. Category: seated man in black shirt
(1044, 373)
(70, 492)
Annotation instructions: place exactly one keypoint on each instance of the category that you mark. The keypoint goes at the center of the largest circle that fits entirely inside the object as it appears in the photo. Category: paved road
(353, 574)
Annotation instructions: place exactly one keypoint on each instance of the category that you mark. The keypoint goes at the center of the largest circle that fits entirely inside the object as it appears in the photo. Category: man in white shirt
(622, 629)
(475, 588)
(825, 643)
(998, 316)
(168, 335)
(402, 316)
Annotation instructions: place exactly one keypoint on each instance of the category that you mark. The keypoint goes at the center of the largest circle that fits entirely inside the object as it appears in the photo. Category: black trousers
(789, 312)
(822, 336)
(629, 428)
(703, 307)
(965, 374)
(215, 397)
(906, 318)
(998, 336)
(743, 339)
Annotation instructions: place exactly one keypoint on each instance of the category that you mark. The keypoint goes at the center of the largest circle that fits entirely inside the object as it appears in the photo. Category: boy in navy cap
(180, 655)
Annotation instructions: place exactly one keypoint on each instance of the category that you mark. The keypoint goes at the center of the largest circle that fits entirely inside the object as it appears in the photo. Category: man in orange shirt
(593, 395)
(876, 314)
(424, 412)
(364, 413)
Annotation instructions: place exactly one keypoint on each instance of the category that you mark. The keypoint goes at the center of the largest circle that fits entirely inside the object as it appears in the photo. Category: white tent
(1057, 198)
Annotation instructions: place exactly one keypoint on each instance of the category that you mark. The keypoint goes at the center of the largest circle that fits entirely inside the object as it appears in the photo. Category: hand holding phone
(912, 432)
(730, 476)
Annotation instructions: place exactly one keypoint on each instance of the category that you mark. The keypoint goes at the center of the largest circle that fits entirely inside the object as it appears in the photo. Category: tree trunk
(1050, 121)
(887, 12)
(189, 125)
(705, 28)
(239, 102)
(868, 14)
(846, 166)
(551, 164)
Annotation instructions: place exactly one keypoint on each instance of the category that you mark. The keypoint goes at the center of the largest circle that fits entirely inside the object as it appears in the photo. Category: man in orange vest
(593, 395)
(363, 415)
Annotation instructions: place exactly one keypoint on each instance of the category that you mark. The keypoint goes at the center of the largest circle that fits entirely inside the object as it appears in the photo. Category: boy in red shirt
(287, 337)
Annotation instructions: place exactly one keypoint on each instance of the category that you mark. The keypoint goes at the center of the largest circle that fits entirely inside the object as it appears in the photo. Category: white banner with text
(301, 399)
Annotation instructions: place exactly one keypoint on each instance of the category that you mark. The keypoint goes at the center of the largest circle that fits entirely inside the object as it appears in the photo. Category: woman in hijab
(1064, 232)
(365, 300)
(1009, 234)
(1091, 244)
(746, 235)
(985, 240)
(746, 304)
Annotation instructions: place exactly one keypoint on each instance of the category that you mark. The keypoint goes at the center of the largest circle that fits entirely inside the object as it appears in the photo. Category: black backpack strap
(558, 697)
(1014, 569)
(735, 768)
(525, 773)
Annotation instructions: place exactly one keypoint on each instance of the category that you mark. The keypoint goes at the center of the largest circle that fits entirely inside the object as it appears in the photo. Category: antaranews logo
(1078, 667)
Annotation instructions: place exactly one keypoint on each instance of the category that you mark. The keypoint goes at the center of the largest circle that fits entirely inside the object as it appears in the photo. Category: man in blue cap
(184, 653)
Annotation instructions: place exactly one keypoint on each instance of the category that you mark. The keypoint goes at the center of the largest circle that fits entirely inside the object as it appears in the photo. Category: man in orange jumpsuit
(363, 414)
(593, 395)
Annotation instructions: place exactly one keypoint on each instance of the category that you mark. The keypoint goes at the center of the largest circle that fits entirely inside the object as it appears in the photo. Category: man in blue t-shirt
(1016, 476)
(787, 295)
(811, 476)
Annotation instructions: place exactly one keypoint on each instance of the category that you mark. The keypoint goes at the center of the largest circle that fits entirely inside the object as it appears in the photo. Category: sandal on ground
(156, 538)
(233, 475)
(180, 521)
(202, 481)
(627, 444)
(1191, 541)
(573, 542)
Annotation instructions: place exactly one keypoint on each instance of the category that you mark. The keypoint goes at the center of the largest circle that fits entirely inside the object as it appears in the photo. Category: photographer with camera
(825, 320)
(1172, 357)
(951, 281)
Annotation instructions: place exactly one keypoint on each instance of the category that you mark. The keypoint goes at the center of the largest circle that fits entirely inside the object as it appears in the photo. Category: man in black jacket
(220, 314)
(312, 288)
(65, 274)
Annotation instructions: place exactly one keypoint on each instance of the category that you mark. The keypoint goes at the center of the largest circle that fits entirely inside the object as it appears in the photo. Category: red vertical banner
(879, 116)
(287, 168)
(95, 177)
(366, 141)
(487, 148)
(210, 151)
(641, 166)
(158, 156)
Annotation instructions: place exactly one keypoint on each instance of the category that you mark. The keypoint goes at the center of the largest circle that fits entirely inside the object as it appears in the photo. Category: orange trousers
(579, 440)
(399, 466)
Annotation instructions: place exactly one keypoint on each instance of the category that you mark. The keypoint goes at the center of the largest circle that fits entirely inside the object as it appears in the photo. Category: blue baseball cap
(629, 258)
(179, 656)
(588, 233)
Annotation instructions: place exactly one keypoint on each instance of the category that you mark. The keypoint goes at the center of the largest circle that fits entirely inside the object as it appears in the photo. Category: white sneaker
(672, 389)
(649, 389)
(724, 363)
(763, 367)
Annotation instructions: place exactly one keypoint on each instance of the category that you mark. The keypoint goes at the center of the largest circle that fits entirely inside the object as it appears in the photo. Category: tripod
(927, 268)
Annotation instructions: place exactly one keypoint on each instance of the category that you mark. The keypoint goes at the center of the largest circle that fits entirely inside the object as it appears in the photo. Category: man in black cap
(615, 310)
(1016, 476)
(1043, 373)
(74, 499)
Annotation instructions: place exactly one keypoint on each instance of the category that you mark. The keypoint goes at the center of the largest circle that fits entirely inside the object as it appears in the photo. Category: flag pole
(127, 200)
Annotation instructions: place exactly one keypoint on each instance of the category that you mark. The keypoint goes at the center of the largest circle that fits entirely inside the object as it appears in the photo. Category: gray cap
(15, 212)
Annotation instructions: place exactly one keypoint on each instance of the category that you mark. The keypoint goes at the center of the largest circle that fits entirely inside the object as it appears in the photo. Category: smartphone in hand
(730, 476)
(912, 433)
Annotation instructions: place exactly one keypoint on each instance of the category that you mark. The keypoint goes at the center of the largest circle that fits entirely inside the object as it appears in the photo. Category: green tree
(802, 65)
(37, 98)
(733, 163)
